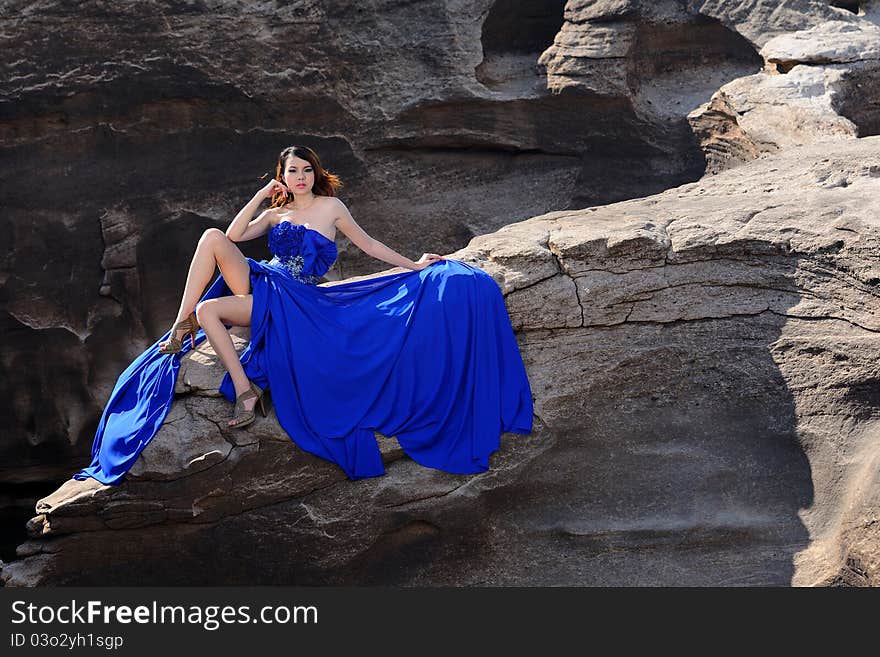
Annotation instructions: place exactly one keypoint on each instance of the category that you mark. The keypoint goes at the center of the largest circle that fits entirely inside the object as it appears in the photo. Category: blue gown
(427, 356)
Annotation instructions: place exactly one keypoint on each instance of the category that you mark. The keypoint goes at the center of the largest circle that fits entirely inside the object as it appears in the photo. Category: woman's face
(299, 175)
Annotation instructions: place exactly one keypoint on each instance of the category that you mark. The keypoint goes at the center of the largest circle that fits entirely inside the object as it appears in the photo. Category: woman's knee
(205, 310)
(212, 235)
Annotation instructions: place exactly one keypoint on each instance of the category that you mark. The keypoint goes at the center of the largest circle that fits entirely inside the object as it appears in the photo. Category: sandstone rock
(759, 114)
(827, 90)
(760, 21)
(832, 42)
(669, 57)
(704, 369)
(120, 149)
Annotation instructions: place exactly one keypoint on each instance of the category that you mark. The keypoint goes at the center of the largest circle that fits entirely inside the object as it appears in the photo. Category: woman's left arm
(375, 248)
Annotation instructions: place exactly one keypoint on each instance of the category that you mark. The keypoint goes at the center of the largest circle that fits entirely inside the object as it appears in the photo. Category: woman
(426, 355)
(303, 193)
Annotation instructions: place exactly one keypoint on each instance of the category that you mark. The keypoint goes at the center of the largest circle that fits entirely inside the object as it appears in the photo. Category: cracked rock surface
(122, 145)
(704, 366)
(818, 84)
(446, 119)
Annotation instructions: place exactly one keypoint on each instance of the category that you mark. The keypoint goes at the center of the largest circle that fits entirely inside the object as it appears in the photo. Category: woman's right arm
(242, 228)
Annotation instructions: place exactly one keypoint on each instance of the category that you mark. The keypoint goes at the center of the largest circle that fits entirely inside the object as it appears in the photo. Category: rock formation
(704, 368)
(701, 356)
(821, 84)
(127, 131)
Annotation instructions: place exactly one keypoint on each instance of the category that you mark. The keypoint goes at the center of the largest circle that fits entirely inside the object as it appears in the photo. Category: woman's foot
(188, 326)
(178, 334)
(70, 490)
(248, 403)
(245, 406)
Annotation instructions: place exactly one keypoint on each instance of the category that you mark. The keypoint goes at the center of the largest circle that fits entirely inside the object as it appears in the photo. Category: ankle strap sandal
(173, 344)
(242, 417)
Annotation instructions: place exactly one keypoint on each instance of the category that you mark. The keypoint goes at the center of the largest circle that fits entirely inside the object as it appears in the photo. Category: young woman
(427, 355)
(303, 193)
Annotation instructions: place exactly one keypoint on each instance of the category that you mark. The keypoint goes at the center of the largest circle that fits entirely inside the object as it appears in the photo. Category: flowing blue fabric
(426, 356)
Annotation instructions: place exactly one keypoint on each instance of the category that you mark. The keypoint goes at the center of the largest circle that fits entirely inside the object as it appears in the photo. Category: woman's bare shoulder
(333, 202)
(272, 216)
(335, 208)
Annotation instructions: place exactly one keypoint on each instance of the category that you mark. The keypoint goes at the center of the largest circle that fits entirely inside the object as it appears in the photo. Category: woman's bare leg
(212, 315)
(214, 248)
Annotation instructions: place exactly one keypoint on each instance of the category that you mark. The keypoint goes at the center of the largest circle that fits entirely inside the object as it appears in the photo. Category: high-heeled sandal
(242, 417)
(173, 344)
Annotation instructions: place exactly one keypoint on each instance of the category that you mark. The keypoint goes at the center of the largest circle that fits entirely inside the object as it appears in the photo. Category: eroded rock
(706, 399)
(818, 84)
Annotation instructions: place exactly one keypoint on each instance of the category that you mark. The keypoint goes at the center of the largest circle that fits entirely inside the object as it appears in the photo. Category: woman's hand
(428, 259)
(274, 186)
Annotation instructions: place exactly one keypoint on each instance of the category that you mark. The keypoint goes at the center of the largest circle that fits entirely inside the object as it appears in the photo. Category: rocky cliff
(700, 356)
(704, 369)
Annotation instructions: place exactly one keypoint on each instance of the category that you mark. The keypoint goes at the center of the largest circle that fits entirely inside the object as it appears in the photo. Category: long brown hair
(326, 183)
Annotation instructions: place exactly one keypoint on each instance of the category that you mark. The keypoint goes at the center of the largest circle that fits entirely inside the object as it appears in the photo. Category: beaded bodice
(303, 253)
